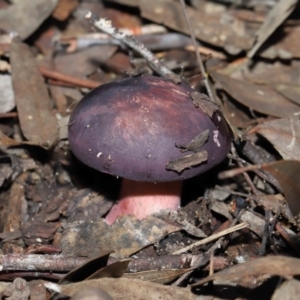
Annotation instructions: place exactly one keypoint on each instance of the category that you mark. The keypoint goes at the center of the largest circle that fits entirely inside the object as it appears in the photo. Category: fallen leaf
(96, 268)
(284, 134)
(114, 270)
(275, 17)
(157, 276)
(125, 236)
(92, 293)
(289, 290)
(16, 205)
(272, 265)
(233, 35)
(124, 288)
(272, 74)
(64, 9)
(7, 100)
(287, 173)
(292, 92)
(37, 120)
(255, 223)
(5, 172)
(7, 141)
(18, 289)
(284, 44)
(258, 97)
(37, 290)
(25, 17)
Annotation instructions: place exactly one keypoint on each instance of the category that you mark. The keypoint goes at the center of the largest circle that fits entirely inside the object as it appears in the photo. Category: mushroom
(132, 128)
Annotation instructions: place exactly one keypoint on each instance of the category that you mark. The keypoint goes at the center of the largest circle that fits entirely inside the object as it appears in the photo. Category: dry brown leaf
(18, 289)
(231, 34)
(16, 205)
(287, 173)
(87, 60)
(127, 2)
(157, 276)
(284, 44)
(292, 92)
(289, 290)
(272, 265)
(3, 286)
(92, 293)
(260, 98)
(290, 41)
(7, 101)
(236, 117)
(125, 237)
(24, 17)
(284, 134)
(256, 224)
(114, 270)
(86, 269)
(7, 141)
(271, 74)
(37, 120)
(124, 288)
(64, 9)
(276, 16)
(37, 290)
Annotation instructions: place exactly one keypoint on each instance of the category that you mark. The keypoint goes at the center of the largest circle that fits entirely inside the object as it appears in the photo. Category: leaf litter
(52, 207)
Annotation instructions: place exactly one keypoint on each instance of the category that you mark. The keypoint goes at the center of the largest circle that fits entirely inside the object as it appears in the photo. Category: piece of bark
(203, 102)
(196, 144)
(186, 162)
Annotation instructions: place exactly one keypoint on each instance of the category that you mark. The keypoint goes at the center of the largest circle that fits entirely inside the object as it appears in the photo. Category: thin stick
(198, 56)
(237, 171)
(106, 27)
(212, 238)
(245, 174)
(211, 263)
(287, 238)
(69, 79)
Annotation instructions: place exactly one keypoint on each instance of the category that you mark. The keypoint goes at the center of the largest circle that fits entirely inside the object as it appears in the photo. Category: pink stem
(144, 198)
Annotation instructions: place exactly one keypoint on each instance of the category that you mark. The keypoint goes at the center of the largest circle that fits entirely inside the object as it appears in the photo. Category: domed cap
(130, 129)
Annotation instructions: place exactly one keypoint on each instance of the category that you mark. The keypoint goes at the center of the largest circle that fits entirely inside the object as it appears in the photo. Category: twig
(11, 114)
(220, 241)
(6, 276)
(211, 238)
(237, 171)
(68, 79)
(106, 27)
(211, 263)
(263, 174)
(266, 234)
(246, 176)
(59, 263)
(287, 238)
(199, 60)
(203, 259)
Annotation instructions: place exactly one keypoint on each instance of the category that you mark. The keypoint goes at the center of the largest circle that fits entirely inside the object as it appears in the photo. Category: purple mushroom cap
(130, 128)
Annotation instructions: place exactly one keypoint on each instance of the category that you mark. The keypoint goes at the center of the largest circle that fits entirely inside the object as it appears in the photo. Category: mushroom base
(144, 198)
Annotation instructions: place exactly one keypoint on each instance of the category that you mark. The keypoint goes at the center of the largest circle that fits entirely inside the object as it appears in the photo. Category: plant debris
(196, 144)
(187, 161)
(237, 227)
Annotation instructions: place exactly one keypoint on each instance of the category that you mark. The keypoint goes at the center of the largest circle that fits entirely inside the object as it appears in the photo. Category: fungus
(135, 129)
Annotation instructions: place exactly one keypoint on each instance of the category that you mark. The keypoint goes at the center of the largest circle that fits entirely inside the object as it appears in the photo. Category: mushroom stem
(144, 198)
